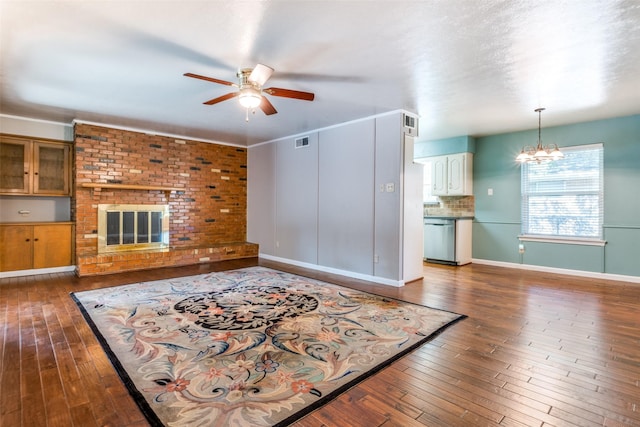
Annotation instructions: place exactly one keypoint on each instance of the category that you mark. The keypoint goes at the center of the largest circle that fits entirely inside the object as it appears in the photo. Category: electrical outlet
(521, 248)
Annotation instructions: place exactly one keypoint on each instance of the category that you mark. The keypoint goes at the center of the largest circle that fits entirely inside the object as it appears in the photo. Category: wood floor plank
(346, 412)
(538, 349)
(55, 401)
(392, 409)
(447, 392)
(10, 377)
(484, 401)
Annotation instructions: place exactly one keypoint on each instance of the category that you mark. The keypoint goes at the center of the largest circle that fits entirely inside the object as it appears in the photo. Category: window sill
(562, 240)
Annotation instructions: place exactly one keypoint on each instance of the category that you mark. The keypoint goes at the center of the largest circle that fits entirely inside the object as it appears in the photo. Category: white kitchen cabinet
(452, 175)
(439, 178)
(463, 241)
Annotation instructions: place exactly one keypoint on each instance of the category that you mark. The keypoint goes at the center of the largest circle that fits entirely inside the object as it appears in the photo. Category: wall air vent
(410, 125)
(302, 142)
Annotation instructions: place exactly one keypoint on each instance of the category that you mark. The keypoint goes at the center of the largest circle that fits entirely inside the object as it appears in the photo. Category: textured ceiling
(466, 67)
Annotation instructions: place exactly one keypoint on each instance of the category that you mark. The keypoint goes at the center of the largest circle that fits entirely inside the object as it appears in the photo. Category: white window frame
(528, 182)
(427, 188)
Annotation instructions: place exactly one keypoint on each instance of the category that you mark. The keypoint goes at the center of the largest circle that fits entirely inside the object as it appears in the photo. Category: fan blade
(210, 79)
(222, 98)
(288, 93)
(311, 77)
(260, 74)
(267, 107)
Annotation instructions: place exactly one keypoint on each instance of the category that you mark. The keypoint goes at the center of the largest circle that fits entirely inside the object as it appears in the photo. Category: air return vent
(410, 125)
(302, 142)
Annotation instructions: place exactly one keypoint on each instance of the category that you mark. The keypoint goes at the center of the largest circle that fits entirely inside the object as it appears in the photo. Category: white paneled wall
(340, 203)
(346, 197)
(296, 221)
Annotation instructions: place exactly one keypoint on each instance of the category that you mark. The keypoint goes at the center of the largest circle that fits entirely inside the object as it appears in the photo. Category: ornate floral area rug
(253, 346)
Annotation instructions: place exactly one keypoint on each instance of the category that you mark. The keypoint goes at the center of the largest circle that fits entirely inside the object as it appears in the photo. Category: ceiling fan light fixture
(250, 97)
(250, 93)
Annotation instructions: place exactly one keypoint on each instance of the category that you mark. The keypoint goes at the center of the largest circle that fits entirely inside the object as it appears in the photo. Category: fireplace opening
(132, 227)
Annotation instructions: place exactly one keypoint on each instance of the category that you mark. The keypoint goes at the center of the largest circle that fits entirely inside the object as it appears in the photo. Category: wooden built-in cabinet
(25, 246)
(31, 166)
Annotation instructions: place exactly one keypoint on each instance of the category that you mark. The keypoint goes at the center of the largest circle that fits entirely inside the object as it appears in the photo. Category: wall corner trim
(33, 272)
(369, 278)
(580, 273)
(153, 132)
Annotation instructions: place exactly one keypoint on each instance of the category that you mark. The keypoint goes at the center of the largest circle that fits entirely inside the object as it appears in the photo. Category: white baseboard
(33, 272)
(580, 273)
(375, 279)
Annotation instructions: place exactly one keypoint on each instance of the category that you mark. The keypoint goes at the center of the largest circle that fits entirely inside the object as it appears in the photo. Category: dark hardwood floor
(536, 350)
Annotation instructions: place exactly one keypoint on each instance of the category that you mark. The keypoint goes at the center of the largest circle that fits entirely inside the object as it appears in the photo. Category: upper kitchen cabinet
(38, 167)
(452, 175)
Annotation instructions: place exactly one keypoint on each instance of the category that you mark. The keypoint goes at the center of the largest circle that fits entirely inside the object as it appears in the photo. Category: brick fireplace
(203, 184)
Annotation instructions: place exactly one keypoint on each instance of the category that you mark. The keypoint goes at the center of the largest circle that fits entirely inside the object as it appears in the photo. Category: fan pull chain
(247, 116)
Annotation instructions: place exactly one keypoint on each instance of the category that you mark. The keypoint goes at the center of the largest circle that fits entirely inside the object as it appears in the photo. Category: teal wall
(442, 147)
(497, 218)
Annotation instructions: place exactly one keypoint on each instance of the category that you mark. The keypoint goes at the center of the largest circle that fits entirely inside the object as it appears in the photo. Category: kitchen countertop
(448, 217)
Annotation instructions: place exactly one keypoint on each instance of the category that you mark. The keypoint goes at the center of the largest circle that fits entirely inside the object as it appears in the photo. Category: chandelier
(541, 152)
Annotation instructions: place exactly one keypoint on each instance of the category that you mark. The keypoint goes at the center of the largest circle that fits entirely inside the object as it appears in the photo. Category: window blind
(564, 198)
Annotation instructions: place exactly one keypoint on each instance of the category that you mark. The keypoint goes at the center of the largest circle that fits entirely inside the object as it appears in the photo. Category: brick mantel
(203, 183)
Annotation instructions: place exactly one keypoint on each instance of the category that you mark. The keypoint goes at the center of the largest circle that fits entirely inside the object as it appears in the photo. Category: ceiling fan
(250, 92)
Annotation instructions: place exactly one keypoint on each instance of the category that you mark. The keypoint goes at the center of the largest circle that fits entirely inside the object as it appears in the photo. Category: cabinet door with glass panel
(15, 161)
(51, 164)
(34, 167)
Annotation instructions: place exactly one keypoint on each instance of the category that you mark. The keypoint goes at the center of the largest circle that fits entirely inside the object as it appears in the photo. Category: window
(564, 199)
(427, 197)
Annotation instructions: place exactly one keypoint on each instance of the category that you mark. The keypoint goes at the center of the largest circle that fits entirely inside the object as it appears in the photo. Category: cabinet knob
(26, 172)
(28, 240)
(35, 173)
(35, 240)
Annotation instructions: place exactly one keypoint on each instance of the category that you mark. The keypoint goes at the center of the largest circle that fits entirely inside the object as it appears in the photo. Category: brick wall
(209, 212)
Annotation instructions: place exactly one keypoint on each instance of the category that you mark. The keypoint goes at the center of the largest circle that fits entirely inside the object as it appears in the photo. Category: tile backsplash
(451, 206)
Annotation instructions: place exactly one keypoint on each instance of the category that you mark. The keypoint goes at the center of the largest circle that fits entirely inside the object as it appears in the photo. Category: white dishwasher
(440, 240)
